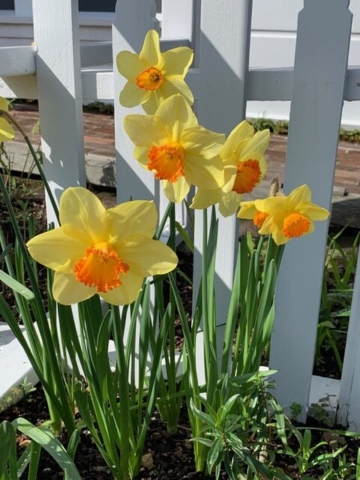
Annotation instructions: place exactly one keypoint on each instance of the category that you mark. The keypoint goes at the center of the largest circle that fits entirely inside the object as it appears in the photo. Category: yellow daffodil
(6, 130)
(95, 250)
(284, 217)
(153, 76)
(244, 167)
(180, 152)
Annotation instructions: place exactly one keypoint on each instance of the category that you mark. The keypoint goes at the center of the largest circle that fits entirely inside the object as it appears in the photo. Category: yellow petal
(300, 194)
(150, 54)
(204, 198)
(54, 248)
(229, 203)
(4, 104)
(82, 211)
(131, 95)
(126, 293)
(240, 134)
(247, 210)
(67, 290)
(146, 130)
(133, 218)
(176, 192)
(6, 130)
(200, 141)
(175, 85)
(148, 257)
(177, 114)
(314, 212)
(129, 65)
(257, 144)
(203, 173)
(178, 61)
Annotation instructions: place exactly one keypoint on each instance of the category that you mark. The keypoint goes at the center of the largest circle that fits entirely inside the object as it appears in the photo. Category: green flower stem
(125, 416)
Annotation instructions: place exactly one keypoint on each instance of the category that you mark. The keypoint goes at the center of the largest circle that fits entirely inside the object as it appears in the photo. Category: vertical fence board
(56, 33)
(349, 397)
(177, 20)
(223, 65)
(319, 75)
(133, 19)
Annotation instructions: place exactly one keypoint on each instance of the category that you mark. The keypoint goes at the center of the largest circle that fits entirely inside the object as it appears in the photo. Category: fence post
(133, 19)
(223, 65)
(56, 33)
(349, 397)
(319, 74)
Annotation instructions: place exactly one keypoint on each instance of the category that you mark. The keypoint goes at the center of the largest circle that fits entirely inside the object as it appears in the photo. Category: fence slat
(133, 19)
(56, 33)
(349, 397)
(223, 65)
(319, 75)
(177, 19)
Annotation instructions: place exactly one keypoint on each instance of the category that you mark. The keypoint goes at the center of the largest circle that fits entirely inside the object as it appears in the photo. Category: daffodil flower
(108, 252)
(6, 130)
(284, 217)
(153, 76)
(180, 152)
(244, 167)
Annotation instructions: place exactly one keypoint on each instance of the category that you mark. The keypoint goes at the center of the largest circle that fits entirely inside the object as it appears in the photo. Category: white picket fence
(219, 31)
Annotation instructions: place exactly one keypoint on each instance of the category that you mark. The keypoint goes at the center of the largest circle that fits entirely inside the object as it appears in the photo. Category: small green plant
(12, 468)
(295, 410)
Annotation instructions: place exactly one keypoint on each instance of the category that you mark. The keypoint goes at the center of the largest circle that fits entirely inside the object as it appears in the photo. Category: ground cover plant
(101, 259)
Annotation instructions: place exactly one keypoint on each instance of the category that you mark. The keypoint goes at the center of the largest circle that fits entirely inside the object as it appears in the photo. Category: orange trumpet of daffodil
(108, 252)
(284, 217)
(244, 167)
(180, 152)
(6, 130)
(153, 76)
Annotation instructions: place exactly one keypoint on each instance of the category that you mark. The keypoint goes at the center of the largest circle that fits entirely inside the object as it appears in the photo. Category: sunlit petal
(83, 211)
(178, 61)
(176, 192)
(127, 292)
(150, 54)
(146, 130)
(129, 64)
(6, 130)
(133, 218)
(67, 290)
(131, 95)
(54, 248)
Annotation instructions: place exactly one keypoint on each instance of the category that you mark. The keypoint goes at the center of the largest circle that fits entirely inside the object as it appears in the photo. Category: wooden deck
(101, 169)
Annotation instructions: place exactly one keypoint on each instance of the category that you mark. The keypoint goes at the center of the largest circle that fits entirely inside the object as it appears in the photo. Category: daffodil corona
(6, 130)
(244, 167)
(108, 252)
(284, 217)
(153, 76)
(176, 149)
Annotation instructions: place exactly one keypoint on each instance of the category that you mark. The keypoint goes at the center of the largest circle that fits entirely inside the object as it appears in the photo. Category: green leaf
(50, 443)
(16, 286)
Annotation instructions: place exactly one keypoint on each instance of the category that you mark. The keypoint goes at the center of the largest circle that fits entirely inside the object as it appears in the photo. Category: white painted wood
(349, 399)
(95, 54)
(17, 61)
(223, 63)
(319, 76)
(132, 22)
(15, 367)
(59, 93)
(177, 19)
